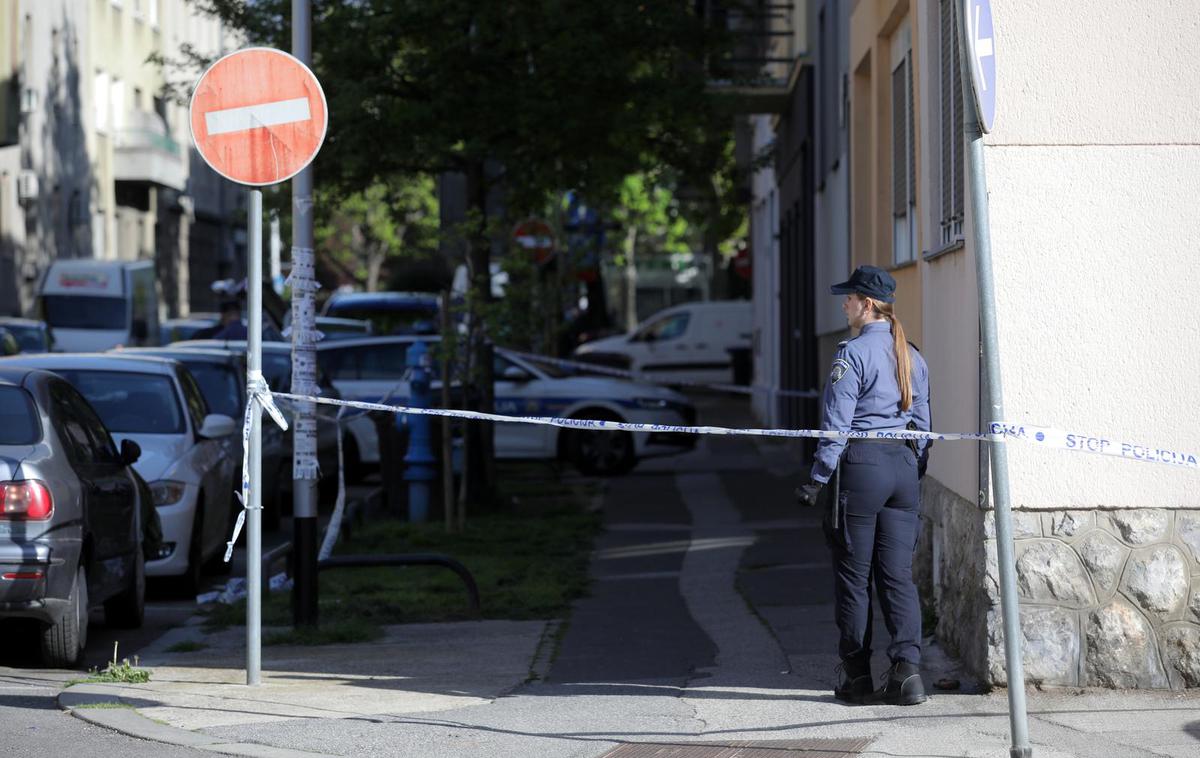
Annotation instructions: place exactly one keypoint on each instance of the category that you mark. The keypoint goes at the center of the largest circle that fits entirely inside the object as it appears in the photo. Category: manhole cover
(813, 748)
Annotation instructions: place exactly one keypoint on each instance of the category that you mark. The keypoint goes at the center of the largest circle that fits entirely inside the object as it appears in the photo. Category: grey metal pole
(254, 517)
(981, 240)
(304, 435)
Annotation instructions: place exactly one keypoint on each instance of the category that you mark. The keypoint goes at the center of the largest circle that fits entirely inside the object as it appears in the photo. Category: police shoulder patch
(840, 367)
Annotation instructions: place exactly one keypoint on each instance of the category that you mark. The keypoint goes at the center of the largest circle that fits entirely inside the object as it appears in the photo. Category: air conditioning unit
(27, 187)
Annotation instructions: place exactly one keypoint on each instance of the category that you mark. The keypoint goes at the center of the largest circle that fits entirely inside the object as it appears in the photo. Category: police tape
(262, 397)
(259, 397)
(620, 373)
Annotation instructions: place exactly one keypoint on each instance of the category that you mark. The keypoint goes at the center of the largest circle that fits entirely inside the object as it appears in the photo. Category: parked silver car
(72, 512)
(157, 403)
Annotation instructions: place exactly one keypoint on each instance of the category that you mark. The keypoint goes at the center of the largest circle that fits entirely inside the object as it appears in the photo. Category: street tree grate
(810, 748)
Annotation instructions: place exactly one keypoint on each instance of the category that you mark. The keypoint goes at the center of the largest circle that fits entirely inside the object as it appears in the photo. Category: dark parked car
(71, 515)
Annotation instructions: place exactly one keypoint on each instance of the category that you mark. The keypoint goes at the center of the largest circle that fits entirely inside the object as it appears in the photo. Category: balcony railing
(769, 42)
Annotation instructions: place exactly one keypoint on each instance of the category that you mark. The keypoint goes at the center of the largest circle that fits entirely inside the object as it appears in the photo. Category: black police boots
(854, 683)
(904, 685)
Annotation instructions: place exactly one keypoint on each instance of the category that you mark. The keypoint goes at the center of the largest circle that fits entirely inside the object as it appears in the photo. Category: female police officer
(878, 382)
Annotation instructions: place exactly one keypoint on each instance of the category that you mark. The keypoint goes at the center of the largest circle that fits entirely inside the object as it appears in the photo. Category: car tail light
(28, 500)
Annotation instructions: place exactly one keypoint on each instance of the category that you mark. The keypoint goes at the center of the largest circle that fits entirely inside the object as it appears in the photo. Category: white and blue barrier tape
(262, 396)
(259, 395)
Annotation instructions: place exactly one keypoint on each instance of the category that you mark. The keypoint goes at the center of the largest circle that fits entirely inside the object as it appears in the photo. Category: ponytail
(900, 346)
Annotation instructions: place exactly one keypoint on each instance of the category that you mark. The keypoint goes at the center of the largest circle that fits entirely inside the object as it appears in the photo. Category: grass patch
(187, 646)
(526, 567)
(330, 633)
(119, 673)
(108, 704)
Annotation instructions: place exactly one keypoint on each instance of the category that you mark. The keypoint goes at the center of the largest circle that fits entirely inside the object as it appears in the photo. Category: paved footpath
(708, 632)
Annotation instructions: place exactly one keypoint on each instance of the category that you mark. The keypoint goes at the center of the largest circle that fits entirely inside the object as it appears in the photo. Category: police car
(372, 368)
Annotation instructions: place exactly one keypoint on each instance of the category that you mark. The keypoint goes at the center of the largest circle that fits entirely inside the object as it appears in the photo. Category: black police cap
(871, 281)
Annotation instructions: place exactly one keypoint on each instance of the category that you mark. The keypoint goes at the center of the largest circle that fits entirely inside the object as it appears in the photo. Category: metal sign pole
(304, 361)
(981, 239)
(254, 517)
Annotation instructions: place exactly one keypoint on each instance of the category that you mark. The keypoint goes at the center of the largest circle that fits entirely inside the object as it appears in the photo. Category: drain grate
(812, 748)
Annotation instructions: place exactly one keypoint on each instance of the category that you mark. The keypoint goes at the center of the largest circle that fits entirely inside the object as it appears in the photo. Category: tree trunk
(479, 254)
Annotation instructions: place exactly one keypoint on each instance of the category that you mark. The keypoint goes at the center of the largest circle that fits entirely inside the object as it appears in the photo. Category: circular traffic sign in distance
(258, 116)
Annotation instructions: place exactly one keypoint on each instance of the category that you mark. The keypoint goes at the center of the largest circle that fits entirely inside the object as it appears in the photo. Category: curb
(119, 715)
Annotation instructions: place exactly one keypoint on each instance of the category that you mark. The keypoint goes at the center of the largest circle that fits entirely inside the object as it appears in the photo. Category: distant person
(878, 383)
(230, 327)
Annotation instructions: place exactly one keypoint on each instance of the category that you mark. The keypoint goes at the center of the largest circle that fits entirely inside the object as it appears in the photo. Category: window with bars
(904, 179)
(951, 121)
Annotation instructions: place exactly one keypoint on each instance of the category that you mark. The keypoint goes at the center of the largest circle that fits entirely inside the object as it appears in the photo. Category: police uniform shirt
(862, 394)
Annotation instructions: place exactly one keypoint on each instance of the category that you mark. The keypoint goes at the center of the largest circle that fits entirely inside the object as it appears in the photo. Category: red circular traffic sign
(537, 237)
(258, 116)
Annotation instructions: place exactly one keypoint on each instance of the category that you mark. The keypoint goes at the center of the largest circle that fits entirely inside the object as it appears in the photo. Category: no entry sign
(258, 116)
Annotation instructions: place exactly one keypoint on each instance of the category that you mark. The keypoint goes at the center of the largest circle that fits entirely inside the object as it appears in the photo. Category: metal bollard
(418, 463)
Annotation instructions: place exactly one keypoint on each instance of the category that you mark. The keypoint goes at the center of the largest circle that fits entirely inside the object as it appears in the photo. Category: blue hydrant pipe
(418, 463)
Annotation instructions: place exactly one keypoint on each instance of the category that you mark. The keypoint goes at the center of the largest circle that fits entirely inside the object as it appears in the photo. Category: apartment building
(95, 157)
(1092, 173)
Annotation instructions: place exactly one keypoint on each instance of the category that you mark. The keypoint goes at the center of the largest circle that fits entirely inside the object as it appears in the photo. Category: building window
(951, 122)
(904, 185)
(100, 93)
(117, 98)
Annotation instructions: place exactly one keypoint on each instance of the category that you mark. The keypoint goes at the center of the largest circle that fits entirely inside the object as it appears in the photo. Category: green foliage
(389, 219)
(560, 93)
(121, 673)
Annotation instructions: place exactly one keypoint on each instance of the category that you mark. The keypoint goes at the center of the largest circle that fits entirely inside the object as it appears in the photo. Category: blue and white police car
(372, 368)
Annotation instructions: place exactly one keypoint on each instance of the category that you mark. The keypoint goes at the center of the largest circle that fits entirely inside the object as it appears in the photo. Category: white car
(370, 369)
(684, 343)
(156, 403)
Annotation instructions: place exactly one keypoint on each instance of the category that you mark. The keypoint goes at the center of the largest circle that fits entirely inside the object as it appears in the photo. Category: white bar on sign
(254, 116)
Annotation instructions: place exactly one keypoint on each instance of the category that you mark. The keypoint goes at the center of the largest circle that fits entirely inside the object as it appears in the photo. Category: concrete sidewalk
(708, 632)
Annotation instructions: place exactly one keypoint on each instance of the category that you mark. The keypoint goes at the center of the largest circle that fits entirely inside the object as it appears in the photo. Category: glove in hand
(806, 494)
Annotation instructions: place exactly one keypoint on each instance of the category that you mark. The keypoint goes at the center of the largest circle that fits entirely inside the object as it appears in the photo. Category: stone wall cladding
(1108, 598)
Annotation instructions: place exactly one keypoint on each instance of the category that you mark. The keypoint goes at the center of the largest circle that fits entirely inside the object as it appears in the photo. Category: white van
(93, 305)
(683, 343)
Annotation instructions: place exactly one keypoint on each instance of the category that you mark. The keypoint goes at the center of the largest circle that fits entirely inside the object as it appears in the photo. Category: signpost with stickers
(258, 117)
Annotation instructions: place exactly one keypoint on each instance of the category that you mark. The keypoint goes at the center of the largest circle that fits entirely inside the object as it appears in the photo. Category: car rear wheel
(128, 609)
(63, 642)
(601, 453)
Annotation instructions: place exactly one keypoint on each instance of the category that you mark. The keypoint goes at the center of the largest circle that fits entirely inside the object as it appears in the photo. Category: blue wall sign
(981, 58)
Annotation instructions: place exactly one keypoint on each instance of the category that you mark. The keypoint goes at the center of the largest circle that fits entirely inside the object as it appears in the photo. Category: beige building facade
(1092, 172)
(95, 157)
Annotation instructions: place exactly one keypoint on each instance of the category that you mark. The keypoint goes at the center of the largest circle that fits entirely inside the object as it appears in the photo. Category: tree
(389, 220)
(556, 93)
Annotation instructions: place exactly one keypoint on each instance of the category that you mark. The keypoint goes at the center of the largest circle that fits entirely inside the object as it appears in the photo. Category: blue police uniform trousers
(879, 501)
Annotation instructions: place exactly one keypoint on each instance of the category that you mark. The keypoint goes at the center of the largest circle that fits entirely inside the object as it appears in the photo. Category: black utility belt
(876, 441)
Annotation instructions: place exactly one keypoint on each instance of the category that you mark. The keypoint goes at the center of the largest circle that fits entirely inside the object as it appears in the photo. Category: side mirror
(516, 374)
(217, 425)
(130, 452)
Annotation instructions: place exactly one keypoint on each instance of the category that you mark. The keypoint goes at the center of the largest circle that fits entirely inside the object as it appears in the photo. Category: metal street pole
(254, 516)
(981, 239)
(304, 435)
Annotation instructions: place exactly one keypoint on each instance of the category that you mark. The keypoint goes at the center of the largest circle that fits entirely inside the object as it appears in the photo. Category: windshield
(416, 317)
(219, 385)
(30, 338)
(18, 418)
(130, 403)
(86, 312)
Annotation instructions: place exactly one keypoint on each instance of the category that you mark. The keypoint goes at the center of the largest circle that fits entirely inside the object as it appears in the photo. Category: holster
(833, 511)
